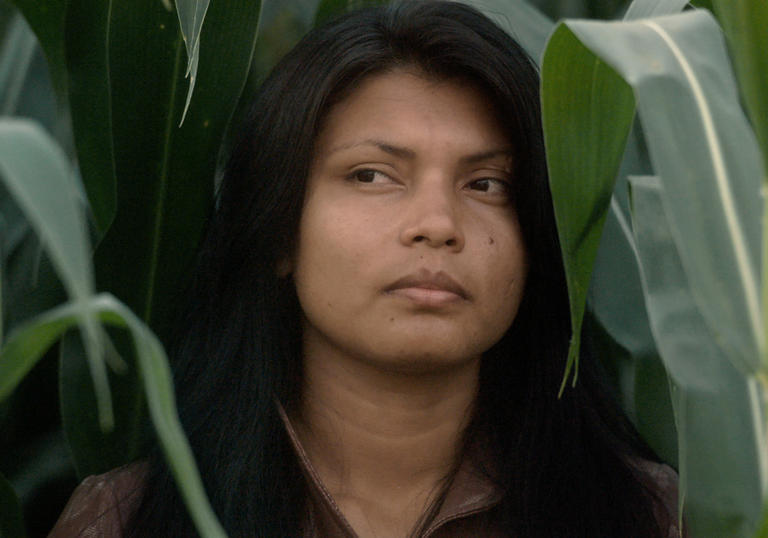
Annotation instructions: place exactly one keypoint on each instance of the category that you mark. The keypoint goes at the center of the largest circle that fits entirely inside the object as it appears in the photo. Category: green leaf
(617, 302)
(16, 56)
(702, 146)
(719, 411)
(616, 293)
(191, 17)
(529, 26)
(641, 9)
(26, 345)
(47, 21)
(95, 451)
(11, 520)
(37, 174)
(587, 113)
(328, 9)
(745, 23)
(87, 71)
(164, 173)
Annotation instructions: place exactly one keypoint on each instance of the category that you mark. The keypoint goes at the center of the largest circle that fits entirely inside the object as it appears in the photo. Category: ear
(284, 267)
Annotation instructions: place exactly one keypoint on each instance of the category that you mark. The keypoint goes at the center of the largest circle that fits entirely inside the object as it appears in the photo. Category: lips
(426, 286)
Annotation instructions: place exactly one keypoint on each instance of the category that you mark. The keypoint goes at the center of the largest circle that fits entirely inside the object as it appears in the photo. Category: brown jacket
(101, 505)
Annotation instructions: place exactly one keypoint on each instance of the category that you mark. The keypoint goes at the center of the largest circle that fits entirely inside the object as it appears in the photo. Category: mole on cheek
(490, 240)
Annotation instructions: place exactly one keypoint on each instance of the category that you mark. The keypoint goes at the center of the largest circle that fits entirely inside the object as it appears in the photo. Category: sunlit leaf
(191, 17)
(702, 146)
(719, 411)
(641, 9)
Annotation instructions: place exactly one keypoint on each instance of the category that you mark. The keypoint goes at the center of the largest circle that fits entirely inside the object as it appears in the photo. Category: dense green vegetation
(656, 126)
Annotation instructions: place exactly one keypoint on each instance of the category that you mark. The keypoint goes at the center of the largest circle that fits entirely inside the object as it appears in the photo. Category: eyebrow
(406, 153)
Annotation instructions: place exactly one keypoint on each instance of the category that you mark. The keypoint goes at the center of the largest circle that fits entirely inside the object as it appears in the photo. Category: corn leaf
(702, 146)
(191, 17)
(17, 50)
(719, 411)
(641, 9)
(27, 344)
(714, 174)
(745, 23)
(529, 26)
(584, 151)
(88, 76)
(163, 173)
(37, 174)
(47, 21)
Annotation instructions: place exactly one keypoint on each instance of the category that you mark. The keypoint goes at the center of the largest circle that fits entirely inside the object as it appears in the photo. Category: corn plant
(693, 226)
(657, 173)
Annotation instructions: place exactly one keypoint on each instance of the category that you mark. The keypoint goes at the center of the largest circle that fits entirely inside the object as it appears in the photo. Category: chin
(416, 361)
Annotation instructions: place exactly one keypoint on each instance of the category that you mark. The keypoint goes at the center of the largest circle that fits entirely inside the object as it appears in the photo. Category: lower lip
(427, 297)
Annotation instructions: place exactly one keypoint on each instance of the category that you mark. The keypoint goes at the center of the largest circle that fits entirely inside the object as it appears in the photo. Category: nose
(433, 218)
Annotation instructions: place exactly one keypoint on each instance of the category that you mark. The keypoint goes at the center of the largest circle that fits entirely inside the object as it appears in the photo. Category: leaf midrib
(162, 188)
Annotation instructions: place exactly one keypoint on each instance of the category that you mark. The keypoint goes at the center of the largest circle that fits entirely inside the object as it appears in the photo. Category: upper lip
(431, 281)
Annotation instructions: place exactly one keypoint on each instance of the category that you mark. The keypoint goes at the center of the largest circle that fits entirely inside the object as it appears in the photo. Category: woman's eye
(491, 186)
(369, 176)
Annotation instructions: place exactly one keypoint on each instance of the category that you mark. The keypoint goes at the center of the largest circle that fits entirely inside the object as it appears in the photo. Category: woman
(378, 324)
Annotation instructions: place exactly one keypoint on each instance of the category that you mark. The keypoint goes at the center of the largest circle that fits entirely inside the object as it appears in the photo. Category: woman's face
(410, 255)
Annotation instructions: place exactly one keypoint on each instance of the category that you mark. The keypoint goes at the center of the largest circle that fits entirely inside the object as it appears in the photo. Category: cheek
(329, 257)
(507, 271)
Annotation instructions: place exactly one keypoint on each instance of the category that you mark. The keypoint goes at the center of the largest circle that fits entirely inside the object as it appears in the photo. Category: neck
(383, 442)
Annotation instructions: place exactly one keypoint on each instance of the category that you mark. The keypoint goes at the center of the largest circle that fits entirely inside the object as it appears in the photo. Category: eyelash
(355, 176)
(504, 185)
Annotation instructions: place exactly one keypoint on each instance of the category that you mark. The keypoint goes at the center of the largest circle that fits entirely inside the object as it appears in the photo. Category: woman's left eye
(368, 175)
(491, 185)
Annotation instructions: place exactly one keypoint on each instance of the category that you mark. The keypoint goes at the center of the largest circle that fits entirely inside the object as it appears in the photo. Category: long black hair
(566, 465)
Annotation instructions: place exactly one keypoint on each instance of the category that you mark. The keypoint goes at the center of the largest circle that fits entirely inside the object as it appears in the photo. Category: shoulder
(662, 480)
(102, 504)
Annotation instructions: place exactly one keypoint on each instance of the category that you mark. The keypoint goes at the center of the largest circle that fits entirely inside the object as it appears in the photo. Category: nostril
(419, 238)
(451, 243)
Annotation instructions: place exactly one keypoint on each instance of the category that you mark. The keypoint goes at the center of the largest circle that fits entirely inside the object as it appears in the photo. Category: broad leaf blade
(641, 9)
(746, 26)
(164, 174)
(47, 21)
(26, 345)
(17, 50)
(88, 76)
(529, 26)
(617, 302)
(37, 174)
(96, 451)
(703, 148)
(720, 420)
(587, 113)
